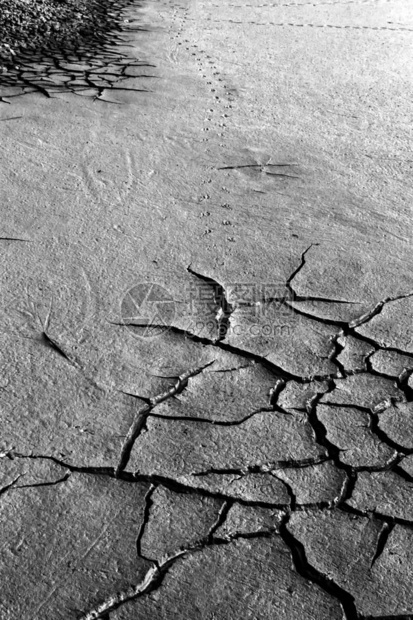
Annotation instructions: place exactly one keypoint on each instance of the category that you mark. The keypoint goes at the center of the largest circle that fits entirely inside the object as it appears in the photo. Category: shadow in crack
(86, 62)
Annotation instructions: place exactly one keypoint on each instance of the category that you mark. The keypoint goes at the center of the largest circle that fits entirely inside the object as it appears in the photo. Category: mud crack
(365, 318)
(310, 573)
(88, 67)
(142, 414)
(151, 581)
(225, 309)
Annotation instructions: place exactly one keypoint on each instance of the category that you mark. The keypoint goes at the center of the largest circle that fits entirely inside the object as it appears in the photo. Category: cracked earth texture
(206, 388)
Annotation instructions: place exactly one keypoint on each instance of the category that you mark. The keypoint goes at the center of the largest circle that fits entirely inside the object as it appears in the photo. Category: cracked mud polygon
(206, 361)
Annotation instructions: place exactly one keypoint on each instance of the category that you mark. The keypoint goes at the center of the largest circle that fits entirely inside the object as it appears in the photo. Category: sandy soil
(241, 174)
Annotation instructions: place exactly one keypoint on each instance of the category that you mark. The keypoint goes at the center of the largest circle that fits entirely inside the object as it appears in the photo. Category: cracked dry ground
(243, 446)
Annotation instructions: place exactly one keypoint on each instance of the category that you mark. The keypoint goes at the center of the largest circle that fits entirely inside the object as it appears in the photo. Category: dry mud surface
(206, 389)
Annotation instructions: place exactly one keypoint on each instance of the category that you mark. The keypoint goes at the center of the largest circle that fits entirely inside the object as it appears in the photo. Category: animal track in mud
(178, 19)
(307, 25)
(288, 391)
(218, 105)
(220, 100)
(314, 3)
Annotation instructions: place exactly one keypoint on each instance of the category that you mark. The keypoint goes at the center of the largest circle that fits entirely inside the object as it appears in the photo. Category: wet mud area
(206, 343)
